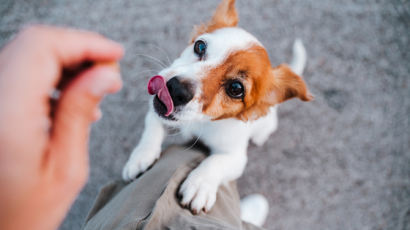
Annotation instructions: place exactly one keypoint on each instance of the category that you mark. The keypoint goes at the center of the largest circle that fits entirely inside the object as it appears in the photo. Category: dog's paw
(198, 193)
(140, 160)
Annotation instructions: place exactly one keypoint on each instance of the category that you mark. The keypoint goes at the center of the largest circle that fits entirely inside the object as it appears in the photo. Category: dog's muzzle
(169, 95)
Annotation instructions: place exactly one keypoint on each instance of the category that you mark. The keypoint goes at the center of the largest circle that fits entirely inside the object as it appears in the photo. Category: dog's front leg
(199, 189)
(148, 149)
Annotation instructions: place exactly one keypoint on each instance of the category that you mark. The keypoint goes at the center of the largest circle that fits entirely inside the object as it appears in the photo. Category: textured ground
(340, 162)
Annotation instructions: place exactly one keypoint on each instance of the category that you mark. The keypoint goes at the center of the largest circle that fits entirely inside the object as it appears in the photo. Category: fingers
(37, 57)
(77, 109)
(41, 52)
(71, 46)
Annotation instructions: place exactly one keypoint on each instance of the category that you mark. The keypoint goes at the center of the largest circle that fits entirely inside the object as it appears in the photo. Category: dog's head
(225, 72)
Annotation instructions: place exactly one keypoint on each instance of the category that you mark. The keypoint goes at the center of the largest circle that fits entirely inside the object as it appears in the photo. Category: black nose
(181, 91)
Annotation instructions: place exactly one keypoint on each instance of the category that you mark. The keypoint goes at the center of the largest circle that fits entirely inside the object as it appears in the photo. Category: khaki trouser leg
(150, 201)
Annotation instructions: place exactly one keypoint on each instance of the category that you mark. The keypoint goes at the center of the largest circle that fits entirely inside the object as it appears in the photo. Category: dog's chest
(217, 134)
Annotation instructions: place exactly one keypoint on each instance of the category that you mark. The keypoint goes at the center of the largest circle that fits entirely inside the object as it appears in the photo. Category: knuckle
(76, 103)
(82, 111)
(34, 33)
(90, 34)
(33, 30)
(81, 180)
(72, 177)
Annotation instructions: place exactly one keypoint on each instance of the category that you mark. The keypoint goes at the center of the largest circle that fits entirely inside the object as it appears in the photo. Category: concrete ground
(339, 162)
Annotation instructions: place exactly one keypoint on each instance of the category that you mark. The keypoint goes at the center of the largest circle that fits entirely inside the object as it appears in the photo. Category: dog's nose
(181, 91)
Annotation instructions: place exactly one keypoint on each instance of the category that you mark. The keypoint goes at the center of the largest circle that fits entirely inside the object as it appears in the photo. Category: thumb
(75, 113)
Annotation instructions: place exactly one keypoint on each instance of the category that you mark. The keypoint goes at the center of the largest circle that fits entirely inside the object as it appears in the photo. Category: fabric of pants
(150, 201)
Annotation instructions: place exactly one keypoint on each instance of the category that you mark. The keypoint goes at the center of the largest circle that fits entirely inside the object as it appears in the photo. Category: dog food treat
(68, 75)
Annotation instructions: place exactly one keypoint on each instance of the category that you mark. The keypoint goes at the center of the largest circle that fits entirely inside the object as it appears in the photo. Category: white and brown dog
(224, 90)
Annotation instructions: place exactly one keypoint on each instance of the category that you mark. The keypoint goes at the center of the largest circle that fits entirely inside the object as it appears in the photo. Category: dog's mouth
(163, 103)
(162, 109)
(157, 86)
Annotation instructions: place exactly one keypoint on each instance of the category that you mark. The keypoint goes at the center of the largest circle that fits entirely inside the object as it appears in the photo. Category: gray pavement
(340, 162)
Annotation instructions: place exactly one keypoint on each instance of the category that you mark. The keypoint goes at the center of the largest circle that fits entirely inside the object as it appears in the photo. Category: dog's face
(224, 73)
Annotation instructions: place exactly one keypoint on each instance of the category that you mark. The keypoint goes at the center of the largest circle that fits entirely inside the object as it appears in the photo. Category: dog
(224, 90)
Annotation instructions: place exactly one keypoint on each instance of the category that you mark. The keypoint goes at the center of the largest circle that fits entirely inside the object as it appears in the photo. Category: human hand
(43, 160)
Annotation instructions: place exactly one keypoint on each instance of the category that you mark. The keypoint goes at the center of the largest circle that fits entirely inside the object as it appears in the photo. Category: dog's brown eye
(200, 48)
(235, 89)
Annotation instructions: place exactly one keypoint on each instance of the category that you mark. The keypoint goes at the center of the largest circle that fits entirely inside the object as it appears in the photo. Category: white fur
(228, 138)
(220, 44)
(298, 62)
(254, 209)
(148, 149)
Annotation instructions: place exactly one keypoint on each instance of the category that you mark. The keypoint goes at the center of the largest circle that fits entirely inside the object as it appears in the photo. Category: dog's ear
(224, 16)
(285, 84)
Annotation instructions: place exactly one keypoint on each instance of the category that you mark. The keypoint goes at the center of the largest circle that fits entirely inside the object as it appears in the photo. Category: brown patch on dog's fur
(289, 85)
(224, 16)
(264, 86)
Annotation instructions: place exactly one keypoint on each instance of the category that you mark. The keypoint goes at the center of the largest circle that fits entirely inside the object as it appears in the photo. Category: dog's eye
(235, 89)
(200, 48)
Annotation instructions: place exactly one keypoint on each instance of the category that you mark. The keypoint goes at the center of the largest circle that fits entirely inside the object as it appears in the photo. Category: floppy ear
(224, 16)
(287, 85)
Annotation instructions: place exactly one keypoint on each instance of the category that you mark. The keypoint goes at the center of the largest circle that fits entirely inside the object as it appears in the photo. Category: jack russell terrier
(224, 90)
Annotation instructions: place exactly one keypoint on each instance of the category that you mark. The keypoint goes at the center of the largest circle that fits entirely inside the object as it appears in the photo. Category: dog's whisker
(164, 51)
(196, 140)
(154, 71)
(148, 70)
(162, 64)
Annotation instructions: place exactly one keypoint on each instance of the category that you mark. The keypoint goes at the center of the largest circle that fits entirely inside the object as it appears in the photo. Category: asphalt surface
(339, 162)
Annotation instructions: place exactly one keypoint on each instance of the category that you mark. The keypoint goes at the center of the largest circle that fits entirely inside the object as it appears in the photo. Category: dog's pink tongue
(157, 85)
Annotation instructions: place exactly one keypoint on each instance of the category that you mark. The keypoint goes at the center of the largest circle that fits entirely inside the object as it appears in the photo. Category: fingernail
(107, 81)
